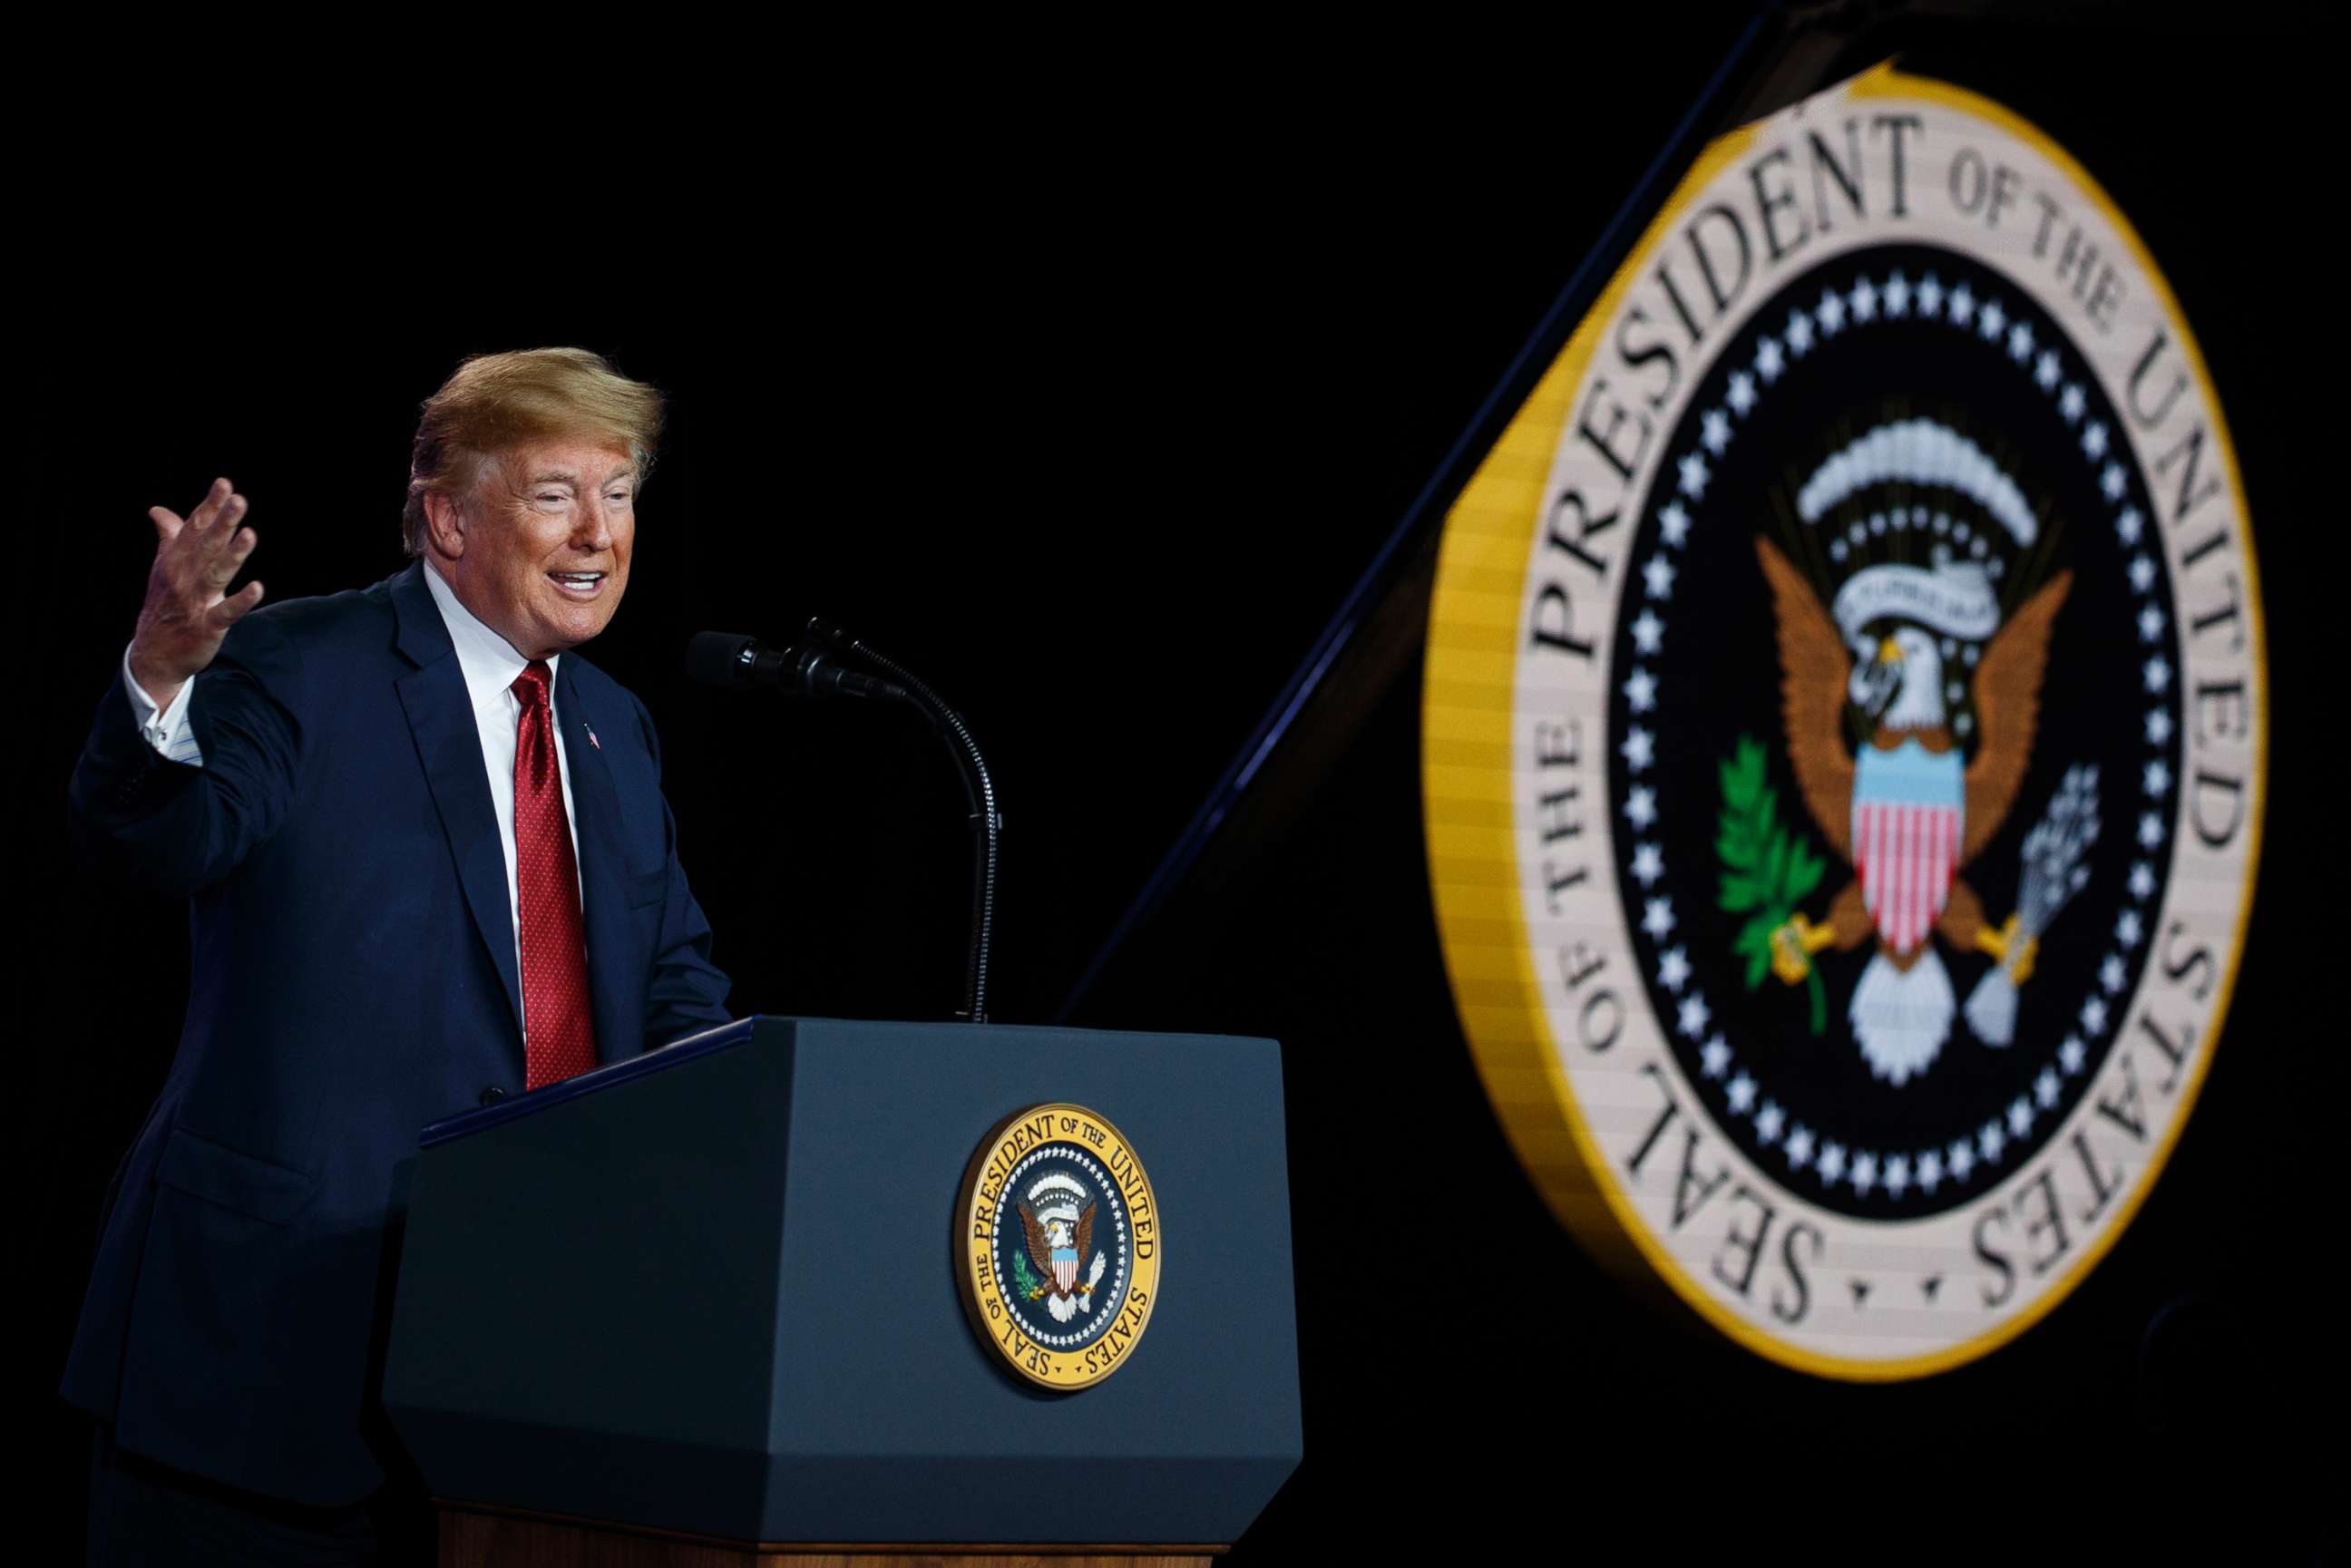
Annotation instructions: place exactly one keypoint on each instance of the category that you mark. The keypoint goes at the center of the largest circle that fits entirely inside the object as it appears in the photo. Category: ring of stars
(1115, 1289)
(1867, 301)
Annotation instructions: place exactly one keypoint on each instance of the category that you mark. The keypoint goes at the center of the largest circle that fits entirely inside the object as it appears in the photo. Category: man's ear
(444, 524)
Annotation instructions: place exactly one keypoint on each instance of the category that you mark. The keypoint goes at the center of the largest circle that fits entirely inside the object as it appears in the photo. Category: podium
(703, 1307)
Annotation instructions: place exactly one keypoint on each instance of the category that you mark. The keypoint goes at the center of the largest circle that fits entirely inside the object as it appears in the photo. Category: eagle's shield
(1907, 806)
(1065, 1269)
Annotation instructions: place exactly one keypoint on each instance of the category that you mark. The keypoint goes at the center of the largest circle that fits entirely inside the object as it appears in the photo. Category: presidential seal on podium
(1058, 1246)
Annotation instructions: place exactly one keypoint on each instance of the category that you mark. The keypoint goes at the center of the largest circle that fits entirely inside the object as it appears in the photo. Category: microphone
(732, 660)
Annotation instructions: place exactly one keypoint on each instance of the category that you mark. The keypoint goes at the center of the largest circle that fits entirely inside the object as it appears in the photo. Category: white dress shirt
(490, 665)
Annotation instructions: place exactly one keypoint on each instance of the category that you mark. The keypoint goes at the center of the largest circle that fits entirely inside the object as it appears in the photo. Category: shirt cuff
(167, 731)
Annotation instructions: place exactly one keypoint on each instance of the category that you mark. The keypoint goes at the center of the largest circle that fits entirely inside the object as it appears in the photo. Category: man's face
(542, 545)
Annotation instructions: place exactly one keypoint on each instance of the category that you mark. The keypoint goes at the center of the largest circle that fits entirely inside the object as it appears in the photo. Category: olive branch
(1024, 1278)
(1766, 872)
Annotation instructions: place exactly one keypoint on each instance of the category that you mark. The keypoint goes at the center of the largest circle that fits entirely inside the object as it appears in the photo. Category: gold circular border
(1470, 657)
(974, 1262)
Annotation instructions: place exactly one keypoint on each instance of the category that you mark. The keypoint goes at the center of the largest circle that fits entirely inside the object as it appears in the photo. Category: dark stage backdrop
(1090, 412)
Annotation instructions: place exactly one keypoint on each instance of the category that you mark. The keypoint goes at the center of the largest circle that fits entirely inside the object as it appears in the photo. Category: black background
(1087, 393)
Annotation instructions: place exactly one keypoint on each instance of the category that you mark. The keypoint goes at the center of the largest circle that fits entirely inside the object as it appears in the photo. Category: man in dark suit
(429, 865)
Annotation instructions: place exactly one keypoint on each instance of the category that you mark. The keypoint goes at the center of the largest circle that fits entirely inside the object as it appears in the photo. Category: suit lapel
(441, 719)
(596, 801)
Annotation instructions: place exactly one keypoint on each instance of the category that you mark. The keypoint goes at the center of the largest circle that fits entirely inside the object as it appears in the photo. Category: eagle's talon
(2010, 948)
(1793, 945)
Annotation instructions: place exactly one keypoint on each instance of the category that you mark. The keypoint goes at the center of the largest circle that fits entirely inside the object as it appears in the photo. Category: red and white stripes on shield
(1908, 855)
(559, 1036)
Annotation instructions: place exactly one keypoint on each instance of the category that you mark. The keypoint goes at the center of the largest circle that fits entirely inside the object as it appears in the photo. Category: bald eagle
(1905, 809)
(1058, 1243)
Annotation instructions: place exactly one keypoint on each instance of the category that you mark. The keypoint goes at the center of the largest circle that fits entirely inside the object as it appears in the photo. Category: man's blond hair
(496, 401)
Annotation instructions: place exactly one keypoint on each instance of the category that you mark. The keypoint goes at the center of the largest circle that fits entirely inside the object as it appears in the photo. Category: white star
(1648, 631)
(2070, 1056)
(1640, 749)
(1865, 1172)
(1657, 918)
(1693, 1015)
(1992, 319)
(2150, 625)
(1714, 1058)
(2094, 438)
(2110, 480)
(2126, 525)
(2159, 673)
(2142, 880)
(1800, 1147)
(2044, 370)
(1715, 430)
(1673, 524)
(2128, 930)
(1963, 1160)
(1897, 1174)
(1831, 313)
(1930, 1170)
(1649, 865)
(1768, 1121)
(1641, 806)
(1674, 968)
(2142, 573)
(1832, 1161)
(1742, 1093)
(1693, 475)
(1640, 690)
(2020, 1117)
(2150, 830)
(2093, 1017)
(2157, 779)
(1836, 549)
(2044, 1089)
(1768, 362)
(2070, 402)
(2110, 973)
(1991, 1141)
(1864, 300)
(1658, 572)
(2019, 342)
(1742, 392)
(2159, 727)
(1962, 305)
(1799, 334)
(1898, 296)
(1931, 296)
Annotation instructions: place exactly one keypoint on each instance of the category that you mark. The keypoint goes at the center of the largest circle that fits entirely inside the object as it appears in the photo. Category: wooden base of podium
(481, 1535)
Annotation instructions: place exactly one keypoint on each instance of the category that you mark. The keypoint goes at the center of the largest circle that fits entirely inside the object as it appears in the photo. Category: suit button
(493, 1094)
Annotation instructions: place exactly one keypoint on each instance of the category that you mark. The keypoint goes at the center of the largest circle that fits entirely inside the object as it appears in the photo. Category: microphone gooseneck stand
(978, 789)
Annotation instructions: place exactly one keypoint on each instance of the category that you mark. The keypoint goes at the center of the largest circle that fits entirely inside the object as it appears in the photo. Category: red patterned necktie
(558, 1038)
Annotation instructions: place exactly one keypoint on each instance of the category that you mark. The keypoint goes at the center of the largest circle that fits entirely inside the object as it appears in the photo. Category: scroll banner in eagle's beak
(1956, 601)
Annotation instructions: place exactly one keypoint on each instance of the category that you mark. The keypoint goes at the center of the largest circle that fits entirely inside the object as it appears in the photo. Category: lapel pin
(591, 735)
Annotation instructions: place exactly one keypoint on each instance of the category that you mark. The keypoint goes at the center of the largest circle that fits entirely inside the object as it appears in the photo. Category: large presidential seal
(1844, 737)
(1057, 1245)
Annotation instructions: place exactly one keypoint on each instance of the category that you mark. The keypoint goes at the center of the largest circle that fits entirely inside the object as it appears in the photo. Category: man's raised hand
(187, 611)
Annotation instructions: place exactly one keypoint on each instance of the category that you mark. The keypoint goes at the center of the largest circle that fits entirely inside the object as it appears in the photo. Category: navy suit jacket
(353, 978)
